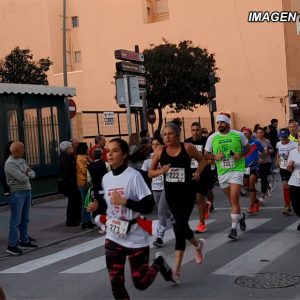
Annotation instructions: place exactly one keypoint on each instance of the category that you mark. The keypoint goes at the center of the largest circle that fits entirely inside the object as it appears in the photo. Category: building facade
(258, 62)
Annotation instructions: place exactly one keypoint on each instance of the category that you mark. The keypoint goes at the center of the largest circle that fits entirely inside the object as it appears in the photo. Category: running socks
(235, 218)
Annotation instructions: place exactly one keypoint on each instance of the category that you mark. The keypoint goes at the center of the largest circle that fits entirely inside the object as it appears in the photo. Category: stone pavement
(47, 223)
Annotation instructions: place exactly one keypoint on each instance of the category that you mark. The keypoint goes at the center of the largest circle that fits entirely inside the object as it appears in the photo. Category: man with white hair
(228, 148)
(18, 174)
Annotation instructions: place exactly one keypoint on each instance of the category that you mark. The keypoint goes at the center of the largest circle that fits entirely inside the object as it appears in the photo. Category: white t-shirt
(131, 185)
(295, 177)
(283, 152)
(157, 183)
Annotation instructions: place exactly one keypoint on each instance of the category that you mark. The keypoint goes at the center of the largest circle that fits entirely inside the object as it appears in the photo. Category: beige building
(259, 62)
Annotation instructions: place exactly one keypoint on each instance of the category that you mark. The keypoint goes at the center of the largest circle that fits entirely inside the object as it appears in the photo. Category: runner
(127, 195)
(253, 159)
(293, 128)
(265, 166)
(157, 187)
(202, 185)
(228, 148)
(175, 159)
(294, 181)
(284, 147)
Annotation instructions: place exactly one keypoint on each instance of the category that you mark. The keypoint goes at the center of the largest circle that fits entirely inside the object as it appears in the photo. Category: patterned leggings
(142, 274)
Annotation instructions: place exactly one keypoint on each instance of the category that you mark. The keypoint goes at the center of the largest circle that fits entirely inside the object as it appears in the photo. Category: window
(157, 10)
(77, 57)
(75, 21)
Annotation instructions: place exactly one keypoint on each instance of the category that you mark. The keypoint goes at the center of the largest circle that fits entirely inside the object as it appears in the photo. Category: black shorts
(285, 175)
(203, 184)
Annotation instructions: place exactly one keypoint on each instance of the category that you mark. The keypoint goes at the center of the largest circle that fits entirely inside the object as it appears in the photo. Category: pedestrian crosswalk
(251, 261)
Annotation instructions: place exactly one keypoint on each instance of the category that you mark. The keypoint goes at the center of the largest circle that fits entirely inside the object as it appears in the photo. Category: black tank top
(179, 162)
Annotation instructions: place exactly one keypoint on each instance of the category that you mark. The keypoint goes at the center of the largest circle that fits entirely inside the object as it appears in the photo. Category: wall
(250, 56)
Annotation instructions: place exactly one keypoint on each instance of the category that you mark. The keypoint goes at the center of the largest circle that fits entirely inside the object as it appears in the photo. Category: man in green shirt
(228, 148)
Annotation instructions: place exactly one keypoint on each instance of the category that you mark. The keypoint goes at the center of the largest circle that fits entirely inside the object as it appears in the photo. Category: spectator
(6, 155)
(82, 162)
(18, 174)
(100, 143)
(67, 167)
(96, 170)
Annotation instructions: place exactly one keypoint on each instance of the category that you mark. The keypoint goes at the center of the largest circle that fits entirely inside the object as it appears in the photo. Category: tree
(177, 76)
(19, 67)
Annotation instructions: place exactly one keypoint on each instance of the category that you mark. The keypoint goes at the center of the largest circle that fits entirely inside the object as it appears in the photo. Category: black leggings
(295, 199)
(142, 274)
(181, 203)
(264, 170)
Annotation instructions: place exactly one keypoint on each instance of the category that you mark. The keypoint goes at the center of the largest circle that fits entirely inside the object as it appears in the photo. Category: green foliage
(19, 67)
(178, 75)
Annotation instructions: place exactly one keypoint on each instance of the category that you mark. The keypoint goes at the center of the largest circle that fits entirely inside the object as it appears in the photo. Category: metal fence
(93, 123)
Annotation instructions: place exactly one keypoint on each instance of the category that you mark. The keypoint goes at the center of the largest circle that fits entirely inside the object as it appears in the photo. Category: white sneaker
(261, 200)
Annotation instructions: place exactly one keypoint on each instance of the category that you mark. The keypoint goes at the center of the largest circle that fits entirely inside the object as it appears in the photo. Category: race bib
(158, 179)
(283, 163)
(175, 175)
(247, 171)
(194, 163)
(117, 227)
(227, 163)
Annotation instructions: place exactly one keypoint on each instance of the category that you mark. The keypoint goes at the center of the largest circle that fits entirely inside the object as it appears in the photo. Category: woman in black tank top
(175, 159)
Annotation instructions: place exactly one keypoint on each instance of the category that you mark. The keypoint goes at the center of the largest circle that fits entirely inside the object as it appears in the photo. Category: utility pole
(65, 70)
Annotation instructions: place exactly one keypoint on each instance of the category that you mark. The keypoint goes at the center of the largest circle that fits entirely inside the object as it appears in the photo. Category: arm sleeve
(144, 206)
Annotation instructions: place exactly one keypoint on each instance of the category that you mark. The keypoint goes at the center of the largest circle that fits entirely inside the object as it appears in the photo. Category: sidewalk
(47, 223)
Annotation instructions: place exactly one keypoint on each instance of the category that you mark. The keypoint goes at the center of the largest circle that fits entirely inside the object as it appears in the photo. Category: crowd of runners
(115, 185)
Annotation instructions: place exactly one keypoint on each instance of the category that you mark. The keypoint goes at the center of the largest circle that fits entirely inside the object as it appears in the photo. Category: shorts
(202, 185)
(285, 175)
(231, 177)
(253, 171)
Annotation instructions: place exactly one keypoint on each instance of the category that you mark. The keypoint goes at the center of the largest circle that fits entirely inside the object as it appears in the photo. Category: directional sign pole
(127, 103)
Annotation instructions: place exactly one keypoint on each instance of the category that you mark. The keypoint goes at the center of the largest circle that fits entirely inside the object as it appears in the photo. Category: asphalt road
(74, 268)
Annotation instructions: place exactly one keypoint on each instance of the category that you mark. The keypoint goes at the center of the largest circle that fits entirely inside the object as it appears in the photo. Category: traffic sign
(142, 80)
(72, 108)
(129, 55)
(151, 116)
(130, 67)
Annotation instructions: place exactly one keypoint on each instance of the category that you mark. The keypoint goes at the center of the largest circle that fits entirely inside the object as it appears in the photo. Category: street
(74, 268)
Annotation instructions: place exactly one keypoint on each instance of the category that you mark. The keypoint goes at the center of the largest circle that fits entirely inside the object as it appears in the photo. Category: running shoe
(201, 227)
(287, 211)
(298, 227)
(199, 255)
(176, 277)
(158, 242)
(261, 200)
(164, 267)
(208, 206)
(251, 210)
(242, 222)
(256, 206)
(270, 190)
(232, 234)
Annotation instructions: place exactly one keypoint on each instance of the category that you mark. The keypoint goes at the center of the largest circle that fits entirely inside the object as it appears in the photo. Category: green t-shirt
(227, 144)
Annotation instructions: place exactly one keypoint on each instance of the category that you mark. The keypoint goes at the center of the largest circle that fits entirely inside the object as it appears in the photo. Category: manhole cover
(267, 280)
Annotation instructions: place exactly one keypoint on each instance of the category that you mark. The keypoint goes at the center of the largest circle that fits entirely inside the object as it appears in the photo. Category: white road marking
(250, 262)
(98, 264)
(56, 257)
(216, 240)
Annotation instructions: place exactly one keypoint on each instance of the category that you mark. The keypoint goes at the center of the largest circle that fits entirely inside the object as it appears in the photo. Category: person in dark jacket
(3, 182)
(97, 169)
(67, 167)
(273, 138)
